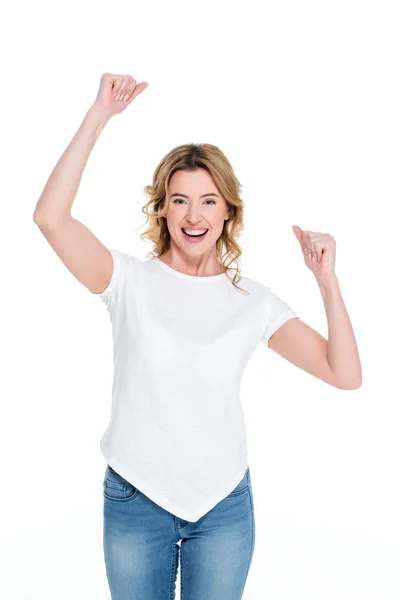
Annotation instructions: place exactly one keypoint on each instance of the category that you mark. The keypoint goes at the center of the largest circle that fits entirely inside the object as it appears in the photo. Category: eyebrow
(184, 196)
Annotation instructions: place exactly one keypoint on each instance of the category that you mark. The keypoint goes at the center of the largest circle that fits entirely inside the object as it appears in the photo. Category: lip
(193, 228)
(194, 240)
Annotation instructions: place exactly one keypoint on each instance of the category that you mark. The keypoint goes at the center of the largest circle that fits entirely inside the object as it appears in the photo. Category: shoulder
(125, 266)
(254, 286)
(124, 262)
(123, 257)
(272, 304)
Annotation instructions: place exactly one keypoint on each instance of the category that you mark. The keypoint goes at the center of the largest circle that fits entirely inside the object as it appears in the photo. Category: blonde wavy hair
(191, 157)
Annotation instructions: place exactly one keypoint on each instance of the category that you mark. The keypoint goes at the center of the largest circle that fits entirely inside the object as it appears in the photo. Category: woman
(177, 479)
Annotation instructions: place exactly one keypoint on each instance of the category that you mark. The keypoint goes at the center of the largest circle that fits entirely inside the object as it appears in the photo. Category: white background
(303, 98)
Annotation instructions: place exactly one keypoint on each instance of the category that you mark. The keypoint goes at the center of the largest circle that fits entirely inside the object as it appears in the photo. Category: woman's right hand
(113, 85)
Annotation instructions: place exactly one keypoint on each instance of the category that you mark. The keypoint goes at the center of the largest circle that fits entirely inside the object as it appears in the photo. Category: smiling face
(195, 205)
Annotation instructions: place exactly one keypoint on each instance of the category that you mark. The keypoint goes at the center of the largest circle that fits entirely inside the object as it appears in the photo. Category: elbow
(352, 381)
(353, 385)
(44, 221)
(38, 219)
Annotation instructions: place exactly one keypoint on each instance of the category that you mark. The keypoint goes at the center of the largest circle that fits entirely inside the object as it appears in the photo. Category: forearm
(342, 346)
(62, 186)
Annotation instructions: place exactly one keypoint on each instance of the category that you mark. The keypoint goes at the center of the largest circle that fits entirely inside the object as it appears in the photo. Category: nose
(193, 216)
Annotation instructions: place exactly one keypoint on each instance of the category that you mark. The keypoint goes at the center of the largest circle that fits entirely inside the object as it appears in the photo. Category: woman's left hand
(319, 250)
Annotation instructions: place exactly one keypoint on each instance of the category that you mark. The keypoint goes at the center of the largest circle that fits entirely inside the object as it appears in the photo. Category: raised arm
(77, 247)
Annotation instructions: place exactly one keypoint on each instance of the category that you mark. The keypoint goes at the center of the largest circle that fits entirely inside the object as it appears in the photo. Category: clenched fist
(116, 92)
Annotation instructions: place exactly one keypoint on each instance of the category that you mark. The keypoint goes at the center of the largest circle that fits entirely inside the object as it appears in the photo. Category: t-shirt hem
(132, 476)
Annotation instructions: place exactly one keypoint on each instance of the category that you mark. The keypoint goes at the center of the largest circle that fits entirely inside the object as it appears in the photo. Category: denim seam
(238, 493)
(252, 534)
(252, 529)
(181, 563)
(114, 485)
(173, 571)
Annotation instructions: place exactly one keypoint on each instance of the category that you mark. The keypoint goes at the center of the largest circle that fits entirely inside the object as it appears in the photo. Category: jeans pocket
(242, 487)
(116, 487)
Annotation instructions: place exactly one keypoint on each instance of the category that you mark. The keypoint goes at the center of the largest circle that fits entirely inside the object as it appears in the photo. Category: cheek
(219, 224)
(173, 222)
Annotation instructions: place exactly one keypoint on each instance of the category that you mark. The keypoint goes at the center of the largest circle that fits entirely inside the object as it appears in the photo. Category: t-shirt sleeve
(277, 313)
(123, 267)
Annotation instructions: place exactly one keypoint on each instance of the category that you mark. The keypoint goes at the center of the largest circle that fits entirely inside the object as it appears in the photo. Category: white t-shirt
(181, 343)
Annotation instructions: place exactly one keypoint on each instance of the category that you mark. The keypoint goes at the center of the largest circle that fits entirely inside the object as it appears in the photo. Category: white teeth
(195, 232)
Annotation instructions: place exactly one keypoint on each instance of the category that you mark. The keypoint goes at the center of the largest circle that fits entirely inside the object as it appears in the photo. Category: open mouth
(194, 235)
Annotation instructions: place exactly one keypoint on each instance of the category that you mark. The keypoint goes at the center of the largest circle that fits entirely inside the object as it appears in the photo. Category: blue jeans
(141, 549)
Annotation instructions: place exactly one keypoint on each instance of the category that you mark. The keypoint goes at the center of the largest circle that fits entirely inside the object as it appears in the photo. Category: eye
(181, 200)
